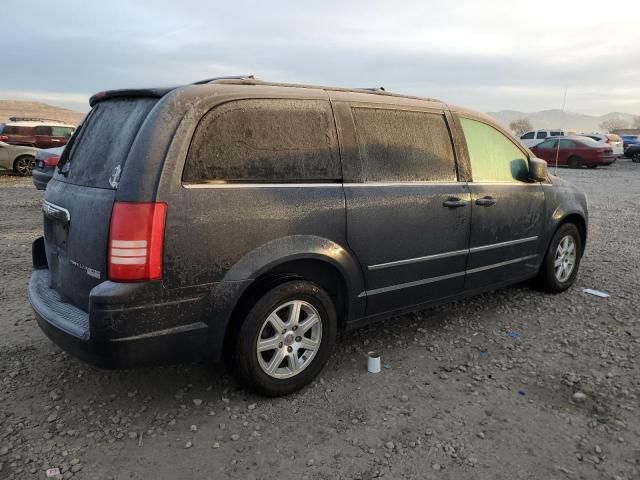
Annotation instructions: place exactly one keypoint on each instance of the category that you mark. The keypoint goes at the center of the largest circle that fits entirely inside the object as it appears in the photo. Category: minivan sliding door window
(404, 146)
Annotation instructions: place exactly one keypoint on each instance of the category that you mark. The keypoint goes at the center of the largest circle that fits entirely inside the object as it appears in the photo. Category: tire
(271, 372)
(574, 162)
(23, 165)
(548, 278)
(636, 157)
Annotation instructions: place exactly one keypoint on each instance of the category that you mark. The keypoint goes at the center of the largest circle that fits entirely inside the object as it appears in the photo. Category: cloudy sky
(488, 55)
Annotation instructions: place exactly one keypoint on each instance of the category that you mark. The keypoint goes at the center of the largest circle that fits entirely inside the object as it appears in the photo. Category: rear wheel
(574, 162)
(562, 260)
(636, 157)
(24, 165)
(285, 339)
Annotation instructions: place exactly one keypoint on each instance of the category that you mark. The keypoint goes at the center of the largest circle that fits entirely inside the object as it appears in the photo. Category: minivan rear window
(98, 155)
(265, 141)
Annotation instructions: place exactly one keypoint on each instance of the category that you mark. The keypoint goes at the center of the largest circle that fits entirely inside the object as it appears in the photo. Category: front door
(408, 217)
(507, 209)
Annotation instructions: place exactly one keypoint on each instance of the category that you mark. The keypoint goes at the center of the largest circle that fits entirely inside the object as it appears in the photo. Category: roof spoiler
(156, 92)
(129, 92)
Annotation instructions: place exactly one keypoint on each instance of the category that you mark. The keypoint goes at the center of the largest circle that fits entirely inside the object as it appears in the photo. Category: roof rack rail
(373, 89)
(229, 77)
(33, 119)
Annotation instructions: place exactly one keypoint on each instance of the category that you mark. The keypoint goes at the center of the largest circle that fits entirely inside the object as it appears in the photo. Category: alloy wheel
(289, 339)
(565, 258)
(24, 166)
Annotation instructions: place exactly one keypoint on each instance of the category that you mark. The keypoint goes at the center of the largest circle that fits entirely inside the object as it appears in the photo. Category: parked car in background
(533, 138)
(575, 152)
(630, 140)
(36, 132)
(633, 152)
(46, 162)
(17, 158)
(611, 139)
(298, 237)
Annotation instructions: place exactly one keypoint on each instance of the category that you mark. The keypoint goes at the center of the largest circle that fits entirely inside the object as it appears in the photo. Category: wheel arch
(312, 258)
(579, 221)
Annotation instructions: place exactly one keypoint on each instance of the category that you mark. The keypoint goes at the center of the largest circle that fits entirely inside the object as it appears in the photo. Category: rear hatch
(78, 201)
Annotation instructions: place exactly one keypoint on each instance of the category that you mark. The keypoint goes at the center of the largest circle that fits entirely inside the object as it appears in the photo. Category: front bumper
(114, 334)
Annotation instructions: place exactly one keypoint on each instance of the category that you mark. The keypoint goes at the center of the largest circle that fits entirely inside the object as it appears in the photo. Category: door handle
(454, 202)
(486, 201)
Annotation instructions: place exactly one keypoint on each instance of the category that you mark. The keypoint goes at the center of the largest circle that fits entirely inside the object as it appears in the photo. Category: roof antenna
(564, 102)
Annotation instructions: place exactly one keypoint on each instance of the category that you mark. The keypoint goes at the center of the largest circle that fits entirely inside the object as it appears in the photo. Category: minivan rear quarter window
(265, 141)
(494, 157)
(404, 146)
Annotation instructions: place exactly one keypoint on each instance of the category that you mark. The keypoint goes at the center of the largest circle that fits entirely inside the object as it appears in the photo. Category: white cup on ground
(373, 362)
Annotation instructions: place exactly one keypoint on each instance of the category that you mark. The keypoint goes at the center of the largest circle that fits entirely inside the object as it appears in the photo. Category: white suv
(531, 139)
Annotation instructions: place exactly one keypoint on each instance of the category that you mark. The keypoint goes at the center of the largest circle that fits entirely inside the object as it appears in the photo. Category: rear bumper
(118, 336)
(40, 178)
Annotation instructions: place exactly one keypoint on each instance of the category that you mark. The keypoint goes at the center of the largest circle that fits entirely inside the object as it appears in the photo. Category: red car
(35, 132)
(574, 152)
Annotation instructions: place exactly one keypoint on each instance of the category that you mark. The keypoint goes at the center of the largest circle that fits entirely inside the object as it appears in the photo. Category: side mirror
(537, 169)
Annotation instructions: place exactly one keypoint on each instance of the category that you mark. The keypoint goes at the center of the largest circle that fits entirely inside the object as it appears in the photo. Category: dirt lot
(484, 388)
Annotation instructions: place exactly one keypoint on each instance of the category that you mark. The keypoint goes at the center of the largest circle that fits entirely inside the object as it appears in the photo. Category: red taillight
(4, 138)
(136, 240)
(608, 140)
(52, 160)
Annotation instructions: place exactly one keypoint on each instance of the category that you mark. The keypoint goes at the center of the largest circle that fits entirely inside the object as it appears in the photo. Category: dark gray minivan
(251, 221)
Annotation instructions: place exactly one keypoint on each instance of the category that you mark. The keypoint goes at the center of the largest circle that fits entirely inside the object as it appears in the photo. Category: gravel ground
(512, 384)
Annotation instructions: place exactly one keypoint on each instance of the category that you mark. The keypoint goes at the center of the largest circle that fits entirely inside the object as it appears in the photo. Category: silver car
(17, 158)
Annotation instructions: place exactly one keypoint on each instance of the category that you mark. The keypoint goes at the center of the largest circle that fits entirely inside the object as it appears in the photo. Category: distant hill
(15, 108)
(571, 121)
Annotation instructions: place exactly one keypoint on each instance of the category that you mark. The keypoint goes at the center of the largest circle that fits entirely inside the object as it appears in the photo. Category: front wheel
(286, 338)
(562, 260)
(23, 165)
(636, 157)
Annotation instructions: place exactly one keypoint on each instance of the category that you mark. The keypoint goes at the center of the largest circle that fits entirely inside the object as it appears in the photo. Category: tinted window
(98, 154)
(404, 146)
(548, 144)
(494, 157)
(542, 135)
(42, 130)
(10, 130)
(528, 136)
(265, 141)
(555, 134)
(61, 131)
(567, 144)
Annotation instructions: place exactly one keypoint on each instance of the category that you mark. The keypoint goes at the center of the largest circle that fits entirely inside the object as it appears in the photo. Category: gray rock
(579, 397)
